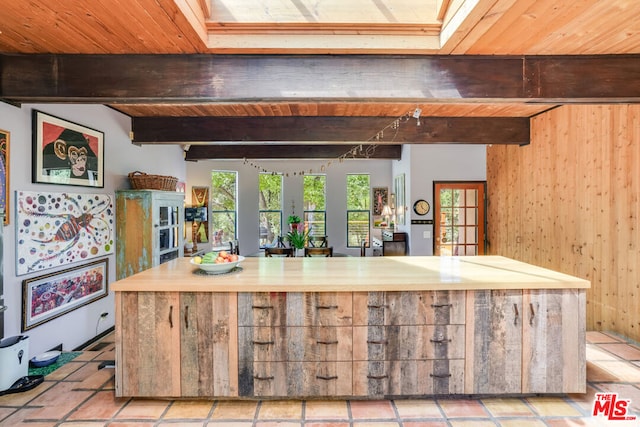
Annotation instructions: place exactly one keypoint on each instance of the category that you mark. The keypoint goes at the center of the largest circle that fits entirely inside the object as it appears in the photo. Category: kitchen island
(368, 327)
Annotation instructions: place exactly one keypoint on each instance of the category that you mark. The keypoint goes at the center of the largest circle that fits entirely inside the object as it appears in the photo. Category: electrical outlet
(104, 315)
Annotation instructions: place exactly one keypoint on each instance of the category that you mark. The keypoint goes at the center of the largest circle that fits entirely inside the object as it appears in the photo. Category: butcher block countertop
(405, 273)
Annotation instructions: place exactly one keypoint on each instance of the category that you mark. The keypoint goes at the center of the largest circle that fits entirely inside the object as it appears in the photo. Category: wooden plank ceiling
(400, 38)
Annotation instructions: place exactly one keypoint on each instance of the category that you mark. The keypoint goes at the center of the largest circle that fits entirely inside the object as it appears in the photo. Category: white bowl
(219, 268)
(45, 359)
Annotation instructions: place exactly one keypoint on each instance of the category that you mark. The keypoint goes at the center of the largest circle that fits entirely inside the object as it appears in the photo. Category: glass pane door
(459, 218)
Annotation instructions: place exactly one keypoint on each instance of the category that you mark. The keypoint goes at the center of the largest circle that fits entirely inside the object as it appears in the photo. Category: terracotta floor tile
(83, 424)
(418, 409)
(24, 414)
(86, 356)
(595, 353)
(522, 422)
(326, 410)
(596, 372)
(96, 380)
(229, 423)
(507, 407)
(58, 401)
(65, 370)
(457, 408)
(587, 422)
(183, 424)
(369, 409)
(278, 424)
(626, 372)
(625, 391)
(425, 424)
(624, 351)
(234, 410)
(5, 412)
(280, 409)
(552, 407)
(131, 424)
(600, 337)
(101, 406)
(84, 372)
(143, 409)
(473, 423)
(21, 399)
(189, 409)
(106, 355)
(328, 424)
(376, 424)
(585, 401)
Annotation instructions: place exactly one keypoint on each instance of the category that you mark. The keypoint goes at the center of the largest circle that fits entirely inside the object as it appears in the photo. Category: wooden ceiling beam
(293, 151)
(381, 130)
(348, 78)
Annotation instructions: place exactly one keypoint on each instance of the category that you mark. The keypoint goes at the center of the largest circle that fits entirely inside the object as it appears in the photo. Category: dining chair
(318, 241)
(326, 252)
(363, 248)
(279, 252)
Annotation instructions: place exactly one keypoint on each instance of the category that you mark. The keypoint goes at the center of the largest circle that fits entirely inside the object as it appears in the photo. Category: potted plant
(297, 239)
(294, 222)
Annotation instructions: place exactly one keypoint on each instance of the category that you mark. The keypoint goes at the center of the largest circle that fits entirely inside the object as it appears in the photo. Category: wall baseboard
(94, 339)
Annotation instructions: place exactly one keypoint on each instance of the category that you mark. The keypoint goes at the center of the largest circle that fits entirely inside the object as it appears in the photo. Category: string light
(355, 152)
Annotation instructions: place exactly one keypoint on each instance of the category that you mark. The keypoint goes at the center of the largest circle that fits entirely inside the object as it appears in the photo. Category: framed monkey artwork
(66, 153)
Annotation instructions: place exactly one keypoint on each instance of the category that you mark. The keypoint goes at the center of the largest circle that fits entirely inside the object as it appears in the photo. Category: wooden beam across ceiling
(293, 151)
(381, 130)
(350, 78)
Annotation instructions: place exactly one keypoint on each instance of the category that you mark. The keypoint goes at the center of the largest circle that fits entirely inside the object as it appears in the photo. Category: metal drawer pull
(378, 306)
(382, 342)
(186, 317)
(262, 307)
(263, 342)
(441, 305)
(258, 377)
(440, 375)
(327, 342)
(440, 340)
(171, 316)
(326, 307)
(533, 314)
(377, 377)
(515, 309)
(327, 378)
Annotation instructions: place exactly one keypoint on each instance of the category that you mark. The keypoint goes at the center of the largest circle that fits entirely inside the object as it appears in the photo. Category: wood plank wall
(570, 201)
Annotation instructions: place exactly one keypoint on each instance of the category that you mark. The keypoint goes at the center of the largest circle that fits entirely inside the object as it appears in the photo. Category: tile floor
(80, 395)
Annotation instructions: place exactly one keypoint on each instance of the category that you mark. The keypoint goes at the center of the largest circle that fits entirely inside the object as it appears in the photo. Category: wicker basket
(142, 181)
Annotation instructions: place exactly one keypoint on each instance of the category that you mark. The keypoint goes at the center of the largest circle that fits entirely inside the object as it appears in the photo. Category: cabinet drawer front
(295, 344)
(297, 379)
(408, 342)
(295, 309)
(409, 308)
(408, 378)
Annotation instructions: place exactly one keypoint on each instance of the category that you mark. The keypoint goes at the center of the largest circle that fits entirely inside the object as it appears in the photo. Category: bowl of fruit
(217, 262)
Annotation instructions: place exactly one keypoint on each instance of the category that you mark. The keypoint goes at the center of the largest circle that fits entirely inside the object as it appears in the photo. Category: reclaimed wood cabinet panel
(177, 344)
(494, 342)
(295, 309)
(386, 379)
(296, 379)
(208, 337)
(409, 308)
(554, 341)
(408, 342)
(150, 352)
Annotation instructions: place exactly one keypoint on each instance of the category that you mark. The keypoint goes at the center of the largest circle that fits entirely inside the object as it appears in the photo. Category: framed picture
(55, 229)
(4, 175)
(52, 295)
(380, 199)
(66, 153)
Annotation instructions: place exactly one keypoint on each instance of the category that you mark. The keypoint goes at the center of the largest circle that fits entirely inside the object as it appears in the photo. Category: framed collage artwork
(52, 295)
(4, 175)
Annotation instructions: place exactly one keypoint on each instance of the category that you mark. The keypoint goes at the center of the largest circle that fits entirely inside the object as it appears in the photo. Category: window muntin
(270, 208)
(315, 204)
(224, 206)
(358, 209)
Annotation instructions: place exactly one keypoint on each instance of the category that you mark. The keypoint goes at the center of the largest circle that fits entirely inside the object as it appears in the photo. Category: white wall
(199, 174)
(121, 157)
(429, 163)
